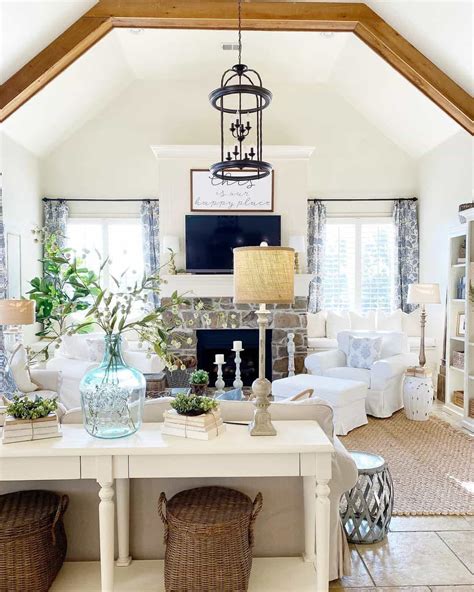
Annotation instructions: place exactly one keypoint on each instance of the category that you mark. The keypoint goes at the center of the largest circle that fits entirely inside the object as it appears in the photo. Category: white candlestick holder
(291, 354)
(238, 381)
(220, 384)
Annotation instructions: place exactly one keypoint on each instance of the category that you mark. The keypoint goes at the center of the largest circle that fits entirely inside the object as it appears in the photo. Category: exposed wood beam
(50, 62)
(257, 15)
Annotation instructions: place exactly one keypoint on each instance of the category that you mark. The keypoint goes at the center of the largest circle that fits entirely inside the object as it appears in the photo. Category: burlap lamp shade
(17, 312)
(264, 275)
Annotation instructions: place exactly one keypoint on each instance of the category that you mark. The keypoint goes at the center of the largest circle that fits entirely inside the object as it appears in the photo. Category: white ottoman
(346, 397)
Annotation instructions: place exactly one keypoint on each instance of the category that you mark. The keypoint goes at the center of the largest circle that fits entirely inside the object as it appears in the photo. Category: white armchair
(385, 377)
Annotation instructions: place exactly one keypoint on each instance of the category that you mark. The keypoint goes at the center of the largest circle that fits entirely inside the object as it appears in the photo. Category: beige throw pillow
(337, 322)
(316, 324)
(389, 321)
(365, 322)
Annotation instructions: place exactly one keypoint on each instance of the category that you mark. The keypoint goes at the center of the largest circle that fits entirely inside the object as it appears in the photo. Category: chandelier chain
(240, 31)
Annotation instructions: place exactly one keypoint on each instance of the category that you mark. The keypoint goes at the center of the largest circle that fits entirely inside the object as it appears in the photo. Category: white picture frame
(212, 195)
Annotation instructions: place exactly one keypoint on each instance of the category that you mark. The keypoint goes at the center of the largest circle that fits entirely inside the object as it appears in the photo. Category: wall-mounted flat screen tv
(211, 239)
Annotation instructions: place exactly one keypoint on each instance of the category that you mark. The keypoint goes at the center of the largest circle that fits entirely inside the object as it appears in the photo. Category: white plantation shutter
(359, 264)
(339, 266)
(377, 266)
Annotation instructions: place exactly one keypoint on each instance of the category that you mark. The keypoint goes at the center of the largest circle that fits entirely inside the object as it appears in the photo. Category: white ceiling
(298, 58)
(28, 27)
(441, 29)
(63, 106)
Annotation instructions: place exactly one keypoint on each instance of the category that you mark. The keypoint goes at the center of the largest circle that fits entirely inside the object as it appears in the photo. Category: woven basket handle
(62, 507)
(257, 507)
(162, 501)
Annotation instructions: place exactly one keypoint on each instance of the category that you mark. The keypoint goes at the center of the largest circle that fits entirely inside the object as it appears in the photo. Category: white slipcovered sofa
(384, 379)
(344, 477)
(80, 353)
(323, 327)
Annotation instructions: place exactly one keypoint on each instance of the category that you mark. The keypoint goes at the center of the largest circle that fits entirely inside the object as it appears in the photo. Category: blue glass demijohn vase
(112, 395)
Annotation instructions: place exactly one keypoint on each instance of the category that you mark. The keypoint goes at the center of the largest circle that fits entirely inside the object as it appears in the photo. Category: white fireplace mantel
(218, 285)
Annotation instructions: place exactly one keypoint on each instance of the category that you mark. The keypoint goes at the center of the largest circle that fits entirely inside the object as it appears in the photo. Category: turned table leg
(323, 474)
(122, 492)
(106, 522)
(309, 491)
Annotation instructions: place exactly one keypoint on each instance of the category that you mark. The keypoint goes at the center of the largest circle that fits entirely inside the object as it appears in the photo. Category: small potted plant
(193, 416)
(199, 381)
(30, 419)
(193, 404)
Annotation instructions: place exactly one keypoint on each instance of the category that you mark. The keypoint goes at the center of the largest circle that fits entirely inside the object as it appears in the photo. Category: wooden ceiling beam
(50, 62)
(256, 15)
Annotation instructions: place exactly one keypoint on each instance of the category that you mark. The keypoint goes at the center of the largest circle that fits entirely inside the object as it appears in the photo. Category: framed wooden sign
(209, 194)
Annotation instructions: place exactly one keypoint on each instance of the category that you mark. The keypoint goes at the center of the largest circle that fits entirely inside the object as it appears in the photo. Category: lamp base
(262, 423)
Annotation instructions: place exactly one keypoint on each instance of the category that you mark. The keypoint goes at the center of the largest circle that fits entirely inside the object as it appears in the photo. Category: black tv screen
(210, 240)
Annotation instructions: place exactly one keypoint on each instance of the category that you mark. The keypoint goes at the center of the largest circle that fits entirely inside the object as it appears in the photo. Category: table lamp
(263, 275)
(16, 313)
(298, 243)
(171, 244)
(423, 294)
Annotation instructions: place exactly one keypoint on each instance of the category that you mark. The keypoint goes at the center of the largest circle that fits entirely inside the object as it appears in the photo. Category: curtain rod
(90, 199)
(368, 199)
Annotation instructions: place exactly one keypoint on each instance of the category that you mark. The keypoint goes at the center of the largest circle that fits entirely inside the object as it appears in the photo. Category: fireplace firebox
(219, 341)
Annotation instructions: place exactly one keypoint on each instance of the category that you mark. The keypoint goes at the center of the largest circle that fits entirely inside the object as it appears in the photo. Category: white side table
(418, 396)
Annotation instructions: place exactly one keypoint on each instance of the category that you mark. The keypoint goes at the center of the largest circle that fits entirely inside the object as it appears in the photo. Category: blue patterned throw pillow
(363, 351)
(7, 385)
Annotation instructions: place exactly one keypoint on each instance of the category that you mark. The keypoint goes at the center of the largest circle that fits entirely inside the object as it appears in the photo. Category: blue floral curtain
(56, 214)
(405, 219)
(7, 384)
(316, 241)
(150, 217)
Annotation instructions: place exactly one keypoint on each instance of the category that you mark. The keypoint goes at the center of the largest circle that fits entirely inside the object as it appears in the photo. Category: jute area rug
(431, 463)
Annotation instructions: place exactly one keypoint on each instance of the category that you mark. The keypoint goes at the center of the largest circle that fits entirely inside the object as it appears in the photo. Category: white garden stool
(418, 397)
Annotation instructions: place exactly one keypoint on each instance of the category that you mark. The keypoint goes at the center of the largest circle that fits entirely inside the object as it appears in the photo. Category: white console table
(300, 448)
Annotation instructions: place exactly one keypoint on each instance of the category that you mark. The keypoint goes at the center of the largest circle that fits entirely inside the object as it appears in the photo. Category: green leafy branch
(24, 408)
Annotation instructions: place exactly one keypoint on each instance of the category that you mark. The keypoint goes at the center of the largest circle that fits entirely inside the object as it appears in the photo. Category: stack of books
(200, 427)
(23, 430)
(420, 372)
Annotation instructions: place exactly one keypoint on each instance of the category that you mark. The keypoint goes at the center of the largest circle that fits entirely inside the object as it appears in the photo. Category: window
(359, 264)
(118, 239)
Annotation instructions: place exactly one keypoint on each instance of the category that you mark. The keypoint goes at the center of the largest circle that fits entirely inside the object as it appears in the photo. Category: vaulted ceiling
(442, 30)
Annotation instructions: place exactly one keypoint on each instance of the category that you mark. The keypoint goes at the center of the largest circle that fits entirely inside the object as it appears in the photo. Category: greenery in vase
(193, 404)
(24, 408)
(199, 377)
(68, 287)
(64, 288)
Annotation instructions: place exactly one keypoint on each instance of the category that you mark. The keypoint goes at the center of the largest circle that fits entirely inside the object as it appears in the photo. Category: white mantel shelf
(218, 285)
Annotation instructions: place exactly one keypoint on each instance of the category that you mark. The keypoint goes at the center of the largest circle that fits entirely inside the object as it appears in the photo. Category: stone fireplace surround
(224, 314)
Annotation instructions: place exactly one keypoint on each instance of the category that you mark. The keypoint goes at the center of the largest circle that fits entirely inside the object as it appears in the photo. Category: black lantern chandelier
(241, 94)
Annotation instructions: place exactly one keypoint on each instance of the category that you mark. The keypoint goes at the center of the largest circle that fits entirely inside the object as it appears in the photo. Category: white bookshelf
(460, 379)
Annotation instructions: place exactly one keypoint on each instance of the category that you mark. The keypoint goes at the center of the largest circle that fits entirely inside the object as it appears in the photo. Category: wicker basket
(458, 398)
(32, 540)
(209, 539)
(458, 360)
